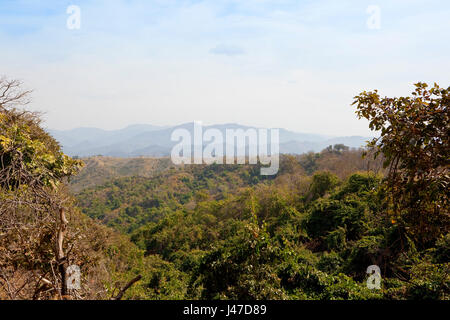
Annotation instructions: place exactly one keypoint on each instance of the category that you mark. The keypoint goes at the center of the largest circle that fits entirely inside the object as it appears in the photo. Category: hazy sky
(286, 63)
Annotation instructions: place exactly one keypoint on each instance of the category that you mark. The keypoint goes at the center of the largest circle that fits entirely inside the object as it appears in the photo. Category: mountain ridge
(154, 141)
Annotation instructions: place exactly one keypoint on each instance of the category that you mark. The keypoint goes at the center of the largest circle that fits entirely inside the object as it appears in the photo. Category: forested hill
(99, 170)
(308, 233)
(127, 193)
(224, 231)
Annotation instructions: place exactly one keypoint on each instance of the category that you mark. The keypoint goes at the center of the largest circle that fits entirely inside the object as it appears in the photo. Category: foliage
(414, 140)
(270, 240)
(225, 232)
(322, 183)
(32, 169)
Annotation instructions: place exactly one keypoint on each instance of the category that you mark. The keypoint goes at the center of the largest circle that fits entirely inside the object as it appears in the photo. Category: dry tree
(33, 222)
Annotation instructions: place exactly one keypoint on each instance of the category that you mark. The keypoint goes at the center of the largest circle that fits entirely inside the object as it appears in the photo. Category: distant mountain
(148, 140)
(85, 141)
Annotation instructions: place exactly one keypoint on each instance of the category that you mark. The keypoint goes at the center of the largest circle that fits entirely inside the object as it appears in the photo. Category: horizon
(292, 64)
(164, 127)
(149, 140)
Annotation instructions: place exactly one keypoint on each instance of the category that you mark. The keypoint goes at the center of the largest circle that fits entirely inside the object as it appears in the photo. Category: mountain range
(154, 141)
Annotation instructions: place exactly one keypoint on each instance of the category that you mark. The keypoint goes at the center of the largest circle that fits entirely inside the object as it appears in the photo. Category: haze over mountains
(154, 141)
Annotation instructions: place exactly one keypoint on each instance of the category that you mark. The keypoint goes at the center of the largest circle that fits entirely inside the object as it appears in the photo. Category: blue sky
(292, 64)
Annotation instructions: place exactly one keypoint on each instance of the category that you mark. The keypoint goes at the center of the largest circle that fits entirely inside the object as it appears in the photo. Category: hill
(128, 193)
(99, 170)
(224, 232)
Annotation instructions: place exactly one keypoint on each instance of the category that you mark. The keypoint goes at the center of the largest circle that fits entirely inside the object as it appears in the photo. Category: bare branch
(12, 94)
(129, 284)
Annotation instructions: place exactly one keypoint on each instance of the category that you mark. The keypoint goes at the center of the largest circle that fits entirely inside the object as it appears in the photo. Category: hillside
(99, 170)
(127, 193)
(142, 228)
(129, 202)
(222, 232)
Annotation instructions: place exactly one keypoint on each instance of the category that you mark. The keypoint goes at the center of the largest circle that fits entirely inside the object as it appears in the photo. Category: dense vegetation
(128, 202)
(226, 232)
(223, 232)
(41, 231)
(292, 237)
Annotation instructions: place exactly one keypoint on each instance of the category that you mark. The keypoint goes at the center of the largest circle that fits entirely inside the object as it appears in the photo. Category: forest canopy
(226, 232)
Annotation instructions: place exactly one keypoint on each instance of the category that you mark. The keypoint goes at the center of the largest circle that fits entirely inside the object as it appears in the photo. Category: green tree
(321, 184)
(414, 139)
(244, 267)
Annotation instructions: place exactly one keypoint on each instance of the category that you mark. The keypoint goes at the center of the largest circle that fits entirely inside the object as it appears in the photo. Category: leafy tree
(33, 203)
(321, 184)
(309, 162)
(328, 215)
(414, 139)
(243, 268)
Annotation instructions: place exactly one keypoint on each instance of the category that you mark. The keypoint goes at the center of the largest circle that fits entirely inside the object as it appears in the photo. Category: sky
(289, 63)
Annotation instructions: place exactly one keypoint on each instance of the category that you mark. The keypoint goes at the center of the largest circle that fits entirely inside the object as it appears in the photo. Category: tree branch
(129, 284)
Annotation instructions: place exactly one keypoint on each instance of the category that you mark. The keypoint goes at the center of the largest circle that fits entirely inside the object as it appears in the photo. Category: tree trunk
(61, 258)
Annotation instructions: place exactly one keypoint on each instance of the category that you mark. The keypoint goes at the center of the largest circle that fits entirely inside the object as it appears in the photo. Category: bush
(330, 262)
(328, 215)
(322, 183)
(336, 240)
